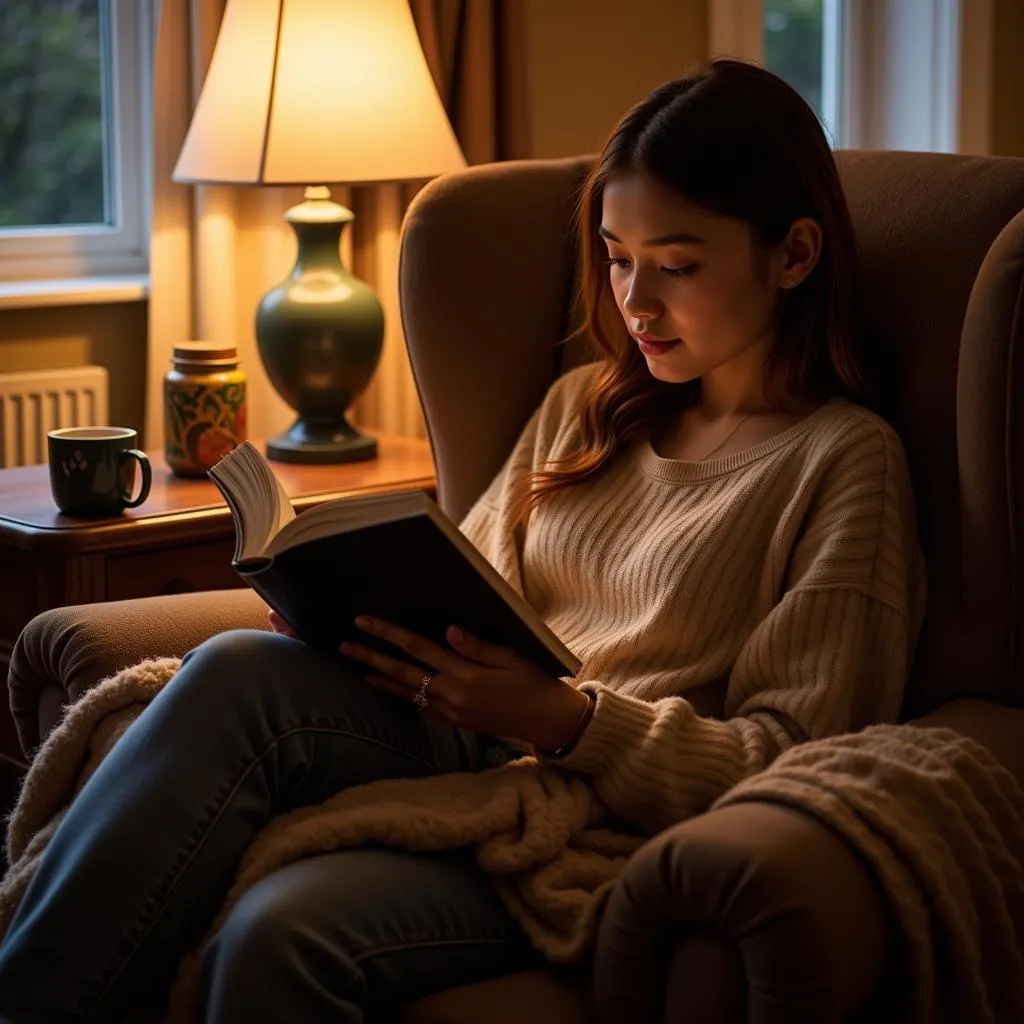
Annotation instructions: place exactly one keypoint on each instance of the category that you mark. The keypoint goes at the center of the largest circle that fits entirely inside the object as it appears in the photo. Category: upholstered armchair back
(488, 280)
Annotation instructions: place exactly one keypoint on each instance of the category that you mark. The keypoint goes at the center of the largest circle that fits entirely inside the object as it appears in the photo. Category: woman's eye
(622, 262)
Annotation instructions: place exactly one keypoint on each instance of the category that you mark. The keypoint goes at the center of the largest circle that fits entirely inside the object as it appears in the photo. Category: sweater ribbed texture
(724, 610)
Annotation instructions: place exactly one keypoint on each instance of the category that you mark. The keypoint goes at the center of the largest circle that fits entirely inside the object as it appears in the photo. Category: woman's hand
(281, 625)
(477, 686)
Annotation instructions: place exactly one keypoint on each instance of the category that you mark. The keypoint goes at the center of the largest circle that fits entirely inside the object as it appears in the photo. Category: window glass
(54, 108)
(793, 46)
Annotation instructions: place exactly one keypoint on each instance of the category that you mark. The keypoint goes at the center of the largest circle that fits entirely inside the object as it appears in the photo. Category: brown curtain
(215, 251)
(476, 51)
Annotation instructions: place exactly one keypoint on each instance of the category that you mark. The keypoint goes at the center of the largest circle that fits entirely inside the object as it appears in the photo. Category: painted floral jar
(204, 406)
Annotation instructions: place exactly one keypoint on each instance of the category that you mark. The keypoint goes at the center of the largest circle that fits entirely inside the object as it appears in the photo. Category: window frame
(832, 67)
(736, 29)
(121, 247)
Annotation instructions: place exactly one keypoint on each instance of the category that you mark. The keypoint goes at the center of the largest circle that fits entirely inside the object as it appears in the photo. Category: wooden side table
(181, 539)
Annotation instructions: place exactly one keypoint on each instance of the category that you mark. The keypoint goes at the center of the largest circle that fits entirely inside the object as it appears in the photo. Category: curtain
(215, 250)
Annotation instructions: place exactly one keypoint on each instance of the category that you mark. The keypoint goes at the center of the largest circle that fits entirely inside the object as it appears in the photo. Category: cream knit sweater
(724, 610)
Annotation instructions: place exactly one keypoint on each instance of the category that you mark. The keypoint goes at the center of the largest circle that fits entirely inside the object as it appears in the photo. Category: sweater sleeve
(832, 656)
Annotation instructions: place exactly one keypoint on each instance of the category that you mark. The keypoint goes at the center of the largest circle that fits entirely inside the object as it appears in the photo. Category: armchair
(751, 912)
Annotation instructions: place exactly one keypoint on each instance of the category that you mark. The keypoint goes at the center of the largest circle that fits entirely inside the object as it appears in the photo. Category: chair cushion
(530, 997)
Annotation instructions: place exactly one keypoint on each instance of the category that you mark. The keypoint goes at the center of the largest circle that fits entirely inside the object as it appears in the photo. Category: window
(803, 46)
(792, 45)
(73, 138)
(881, 74)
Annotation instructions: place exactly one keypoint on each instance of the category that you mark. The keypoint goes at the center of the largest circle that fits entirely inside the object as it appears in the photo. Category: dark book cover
(407, 572)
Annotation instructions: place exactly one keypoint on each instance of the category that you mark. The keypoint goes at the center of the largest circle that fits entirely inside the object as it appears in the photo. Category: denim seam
(401, 947)
(215, 813)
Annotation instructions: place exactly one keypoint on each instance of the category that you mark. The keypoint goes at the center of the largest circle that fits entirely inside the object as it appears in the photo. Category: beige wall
(590, 60)
(111, 335)
(1008, 78)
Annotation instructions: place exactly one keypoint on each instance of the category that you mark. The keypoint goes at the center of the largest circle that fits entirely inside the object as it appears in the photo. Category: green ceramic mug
(92, 470)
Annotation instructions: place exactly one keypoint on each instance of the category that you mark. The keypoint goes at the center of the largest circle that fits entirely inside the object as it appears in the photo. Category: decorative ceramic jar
(204, 406)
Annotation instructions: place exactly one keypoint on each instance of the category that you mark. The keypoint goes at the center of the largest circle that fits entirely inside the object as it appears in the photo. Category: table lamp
(306, 92)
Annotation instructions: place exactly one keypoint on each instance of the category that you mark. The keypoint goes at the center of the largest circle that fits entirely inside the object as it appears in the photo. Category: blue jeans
(253, 724)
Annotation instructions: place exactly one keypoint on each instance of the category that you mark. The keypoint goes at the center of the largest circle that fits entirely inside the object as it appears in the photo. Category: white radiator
(35, 401)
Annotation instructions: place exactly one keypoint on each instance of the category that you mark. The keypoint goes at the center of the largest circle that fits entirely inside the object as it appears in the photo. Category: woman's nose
(641, 304)
(640, 301)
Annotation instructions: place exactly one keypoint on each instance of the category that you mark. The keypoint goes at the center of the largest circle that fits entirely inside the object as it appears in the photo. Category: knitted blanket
(938, 818)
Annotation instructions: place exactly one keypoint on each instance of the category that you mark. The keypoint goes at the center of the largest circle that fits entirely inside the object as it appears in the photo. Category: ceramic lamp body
(320, 335)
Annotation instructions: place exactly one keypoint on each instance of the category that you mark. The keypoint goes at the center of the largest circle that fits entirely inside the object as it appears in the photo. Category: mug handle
(147, 477)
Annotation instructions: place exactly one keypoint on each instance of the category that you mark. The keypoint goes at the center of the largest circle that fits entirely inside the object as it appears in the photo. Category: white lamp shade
(314, 91)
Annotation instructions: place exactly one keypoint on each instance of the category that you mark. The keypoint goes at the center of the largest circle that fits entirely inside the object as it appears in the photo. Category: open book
(394, 556)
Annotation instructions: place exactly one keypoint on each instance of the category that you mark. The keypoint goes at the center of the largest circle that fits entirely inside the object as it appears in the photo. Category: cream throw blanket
(939, 819)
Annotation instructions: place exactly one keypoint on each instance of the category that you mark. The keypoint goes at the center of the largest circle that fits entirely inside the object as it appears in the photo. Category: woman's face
(690, 278)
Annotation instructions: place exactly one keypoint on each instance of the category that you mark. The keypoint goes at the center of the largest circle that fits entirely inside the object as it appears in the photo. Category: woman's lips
(655, 346)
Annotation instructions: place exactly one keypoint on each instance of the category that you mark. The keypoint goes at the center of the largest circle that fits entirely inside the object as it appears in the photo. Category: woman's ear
(800, 251)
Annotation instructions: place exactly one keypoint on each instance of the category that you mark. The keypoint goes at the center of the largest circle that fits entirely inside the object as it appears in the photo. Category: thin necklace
(721, 443)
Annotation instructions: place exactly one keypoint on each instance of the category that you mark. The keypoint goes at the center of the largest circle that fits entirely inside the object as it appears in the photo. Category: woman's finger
(409, 676)
(418, 647)
(481, 651)
(437, 704)
(279, 624)
(389, 686)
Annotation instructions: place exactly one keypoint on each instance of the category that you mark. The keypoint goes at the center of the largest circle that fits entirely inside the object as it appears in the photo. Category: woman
(708, 515)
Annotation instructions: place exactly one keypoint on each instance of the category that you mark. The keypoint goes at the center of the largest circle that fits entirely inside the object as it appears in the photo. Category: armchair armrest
(998, 728)
(64, 651)
(760, 912)
(750, 912)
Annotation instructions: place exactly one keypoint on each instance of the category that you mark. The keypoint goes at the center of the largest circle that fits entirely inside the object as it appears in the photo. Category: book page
(257, 500)
(285, 511)
(346, 514)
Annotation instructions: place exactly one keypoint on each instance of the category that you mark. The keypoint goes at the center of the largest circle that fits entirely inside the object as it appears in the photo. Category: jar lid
(205, 352)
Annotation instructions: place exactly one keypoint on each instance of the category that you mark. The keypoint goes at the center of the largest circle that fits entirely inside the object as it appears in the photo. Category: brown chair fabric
(941, 239)
(485, 280)
(999, 729)
(64, 652)
(768, 888)
(529, 997)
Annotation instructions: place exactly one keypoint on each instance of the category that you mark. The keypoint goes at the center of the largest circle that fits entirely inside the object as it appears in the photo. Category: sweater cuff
(617, 721)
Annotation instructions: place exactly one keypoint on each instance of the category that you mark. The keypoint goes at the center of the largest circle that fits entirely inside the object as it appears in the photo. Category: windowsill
(74, 291)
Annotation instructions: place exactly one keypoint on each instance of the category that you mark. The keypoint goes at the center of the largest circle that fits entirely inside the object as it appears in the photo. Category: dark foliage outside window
(793, 44)
(54, 70)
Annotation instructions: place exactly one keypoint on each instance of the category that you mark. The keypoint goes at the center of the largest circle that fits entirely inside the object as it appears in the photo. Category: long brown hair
(736, 140)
